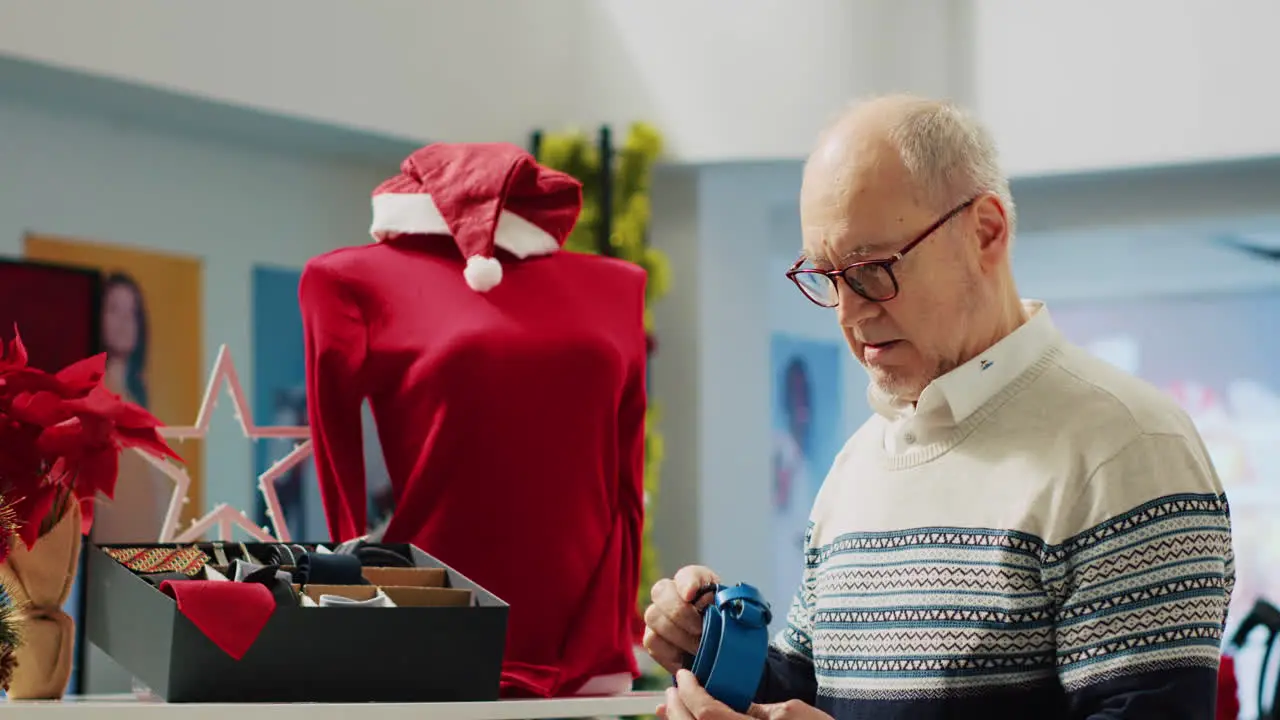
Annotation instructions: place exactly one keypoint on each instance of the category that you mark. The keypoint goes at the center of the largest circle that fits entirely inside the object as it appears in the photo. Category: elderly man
(1021, 530)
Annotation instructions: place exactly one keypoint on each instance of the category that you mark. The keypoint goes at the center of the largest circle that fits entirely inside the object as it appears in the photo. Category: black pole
(535, 143)
(606, 192)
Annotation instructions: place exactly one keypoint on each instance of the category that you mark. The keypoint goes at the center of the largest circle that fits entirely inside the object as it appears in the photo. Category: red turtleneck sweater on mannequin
(512, 424)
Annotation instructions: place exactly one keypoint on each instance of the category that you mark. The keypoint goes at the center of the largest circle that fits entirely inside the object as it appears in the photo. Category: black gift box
(401, 654)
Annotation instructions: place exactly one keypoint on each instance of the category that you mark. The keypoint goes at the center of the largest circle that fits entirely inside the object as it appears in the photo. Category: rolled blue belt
(735, 644)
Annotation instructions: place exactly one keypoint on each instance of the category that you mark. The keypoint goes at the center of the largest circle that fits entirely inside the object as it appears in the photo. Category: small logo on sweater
(984, 364)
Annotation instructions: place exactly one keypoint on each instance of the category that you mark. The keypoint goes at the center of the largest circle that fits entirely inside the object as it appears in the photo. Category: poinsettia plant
(60, 440)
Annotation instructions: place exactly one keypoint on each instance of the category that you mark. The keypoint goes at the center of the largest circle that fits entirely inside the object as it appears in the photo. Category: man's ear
(992, 223)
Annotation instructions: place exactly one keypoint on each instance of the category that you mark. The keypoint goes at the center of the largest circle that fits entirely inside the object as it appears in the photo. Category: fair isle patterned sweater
(1051, 543)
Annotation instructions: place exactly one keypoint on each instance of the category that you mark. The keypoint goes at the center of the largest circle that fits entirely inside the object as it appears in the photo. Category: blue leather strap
(734, 646)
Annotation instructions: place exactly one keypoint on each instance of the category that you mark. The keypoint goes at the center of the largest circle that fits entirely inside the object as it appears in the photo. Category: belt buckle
(745, 605)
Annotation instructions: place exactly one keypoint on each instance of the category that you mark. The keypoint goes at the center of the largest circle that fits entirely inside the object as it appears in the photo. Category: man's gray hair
(950, 153)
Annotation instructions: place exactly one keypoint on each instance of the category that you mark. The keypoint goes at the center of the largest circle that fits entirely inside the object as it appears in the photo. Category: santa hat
(483, 195)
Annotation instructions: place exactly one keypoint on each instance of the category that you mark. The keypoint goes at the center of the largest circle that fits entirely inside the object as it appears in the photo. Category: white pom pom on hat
(482, 273)
(485, 196)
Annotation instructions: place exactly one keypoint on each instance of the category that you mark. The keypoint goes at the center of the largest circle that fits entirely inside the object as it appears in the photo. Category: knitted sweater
(1041, 536)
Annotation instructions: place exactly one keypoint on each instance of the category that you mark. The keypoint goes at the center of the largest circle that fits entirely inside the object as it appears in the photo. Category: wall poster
(152, 329)
(808, 431)
(280, 398)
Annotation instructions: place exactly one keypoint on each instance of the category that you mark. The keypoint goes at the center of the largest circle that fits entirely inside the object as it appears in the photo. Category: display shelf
(129, 707)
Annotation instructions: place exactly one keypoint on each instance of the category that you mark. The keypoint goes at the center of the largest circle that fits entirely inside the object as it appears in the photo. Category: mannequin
(507, 380)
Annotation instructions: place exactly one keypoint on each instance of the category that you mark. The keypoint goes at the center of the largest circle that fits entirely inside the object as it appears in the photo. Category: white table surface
(129, 707)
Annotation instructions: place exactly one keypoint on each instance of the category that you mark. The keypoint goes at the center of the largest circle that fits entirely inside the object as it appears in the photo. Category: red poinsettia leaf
(101, 401)
(82, 376)
(28, 482)
(41, 409)
(32, 511)
(71, 437)
(86, 514)
(16, 354)
(17, 445)
(136, 417)
(95, 472)
(98, 401)
(24, 379)
(147, 440)
(60, 473)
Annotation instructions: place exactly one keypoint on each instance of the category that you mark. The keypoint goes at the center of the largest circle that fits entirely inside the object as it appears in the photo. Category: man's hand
(689, 701)
(673, 625)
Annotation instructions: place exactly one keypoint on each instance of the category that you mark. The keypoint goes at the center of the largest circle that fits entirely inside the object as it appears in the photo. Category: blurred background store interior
(197, 155)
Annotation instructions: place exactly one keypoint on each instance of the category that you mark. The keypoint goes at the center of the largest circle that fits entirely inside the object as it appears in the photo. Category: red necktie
(231, 614)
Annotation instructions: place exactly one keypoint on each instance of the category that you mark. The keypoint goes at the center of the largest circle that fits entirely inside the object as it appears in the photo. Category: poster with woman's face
(808, 431)
(124, 335)
(150, 325)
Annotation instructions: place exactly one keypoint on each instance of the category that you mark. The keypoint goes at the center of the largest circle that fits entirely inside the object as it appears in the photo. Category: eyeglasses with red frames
(871, 279)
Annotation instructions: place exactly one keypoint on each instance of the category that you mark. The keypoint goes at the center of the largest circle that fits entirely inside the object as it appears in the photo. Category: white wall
(711, 373)
(1069, 87)
(1066, 87)
(441, 69)
(83, 178)
(751, 81)
(673, 369)
(757, 81)
(736, 203)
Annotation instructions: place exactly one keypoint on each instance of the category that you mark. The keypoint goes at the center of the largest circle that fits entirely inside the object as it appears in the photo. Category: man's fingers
(763, 712)
(675, 708)
(662, 587)
(675, 633)
(669, 603)
(673, 625)
(692, 578)
(670, 657)
(698, 701)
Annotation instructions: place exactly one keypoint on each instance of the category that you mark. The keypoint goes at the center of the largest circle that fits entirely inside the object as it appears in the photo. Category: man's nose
(853, 308)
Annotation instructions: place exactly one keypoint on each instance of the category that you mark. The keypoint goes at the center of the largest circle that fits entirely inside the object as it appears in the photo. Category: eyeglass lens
(819, 288)
(872, 282)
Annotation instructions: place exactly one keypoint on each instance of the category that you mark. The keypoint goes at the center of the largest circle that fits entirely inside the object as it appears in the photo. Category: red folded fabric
(230, 614)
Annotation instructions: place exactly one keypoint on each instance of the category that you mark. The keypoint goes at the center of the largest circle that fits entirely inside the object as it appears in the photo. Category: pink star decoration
(224, 517)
